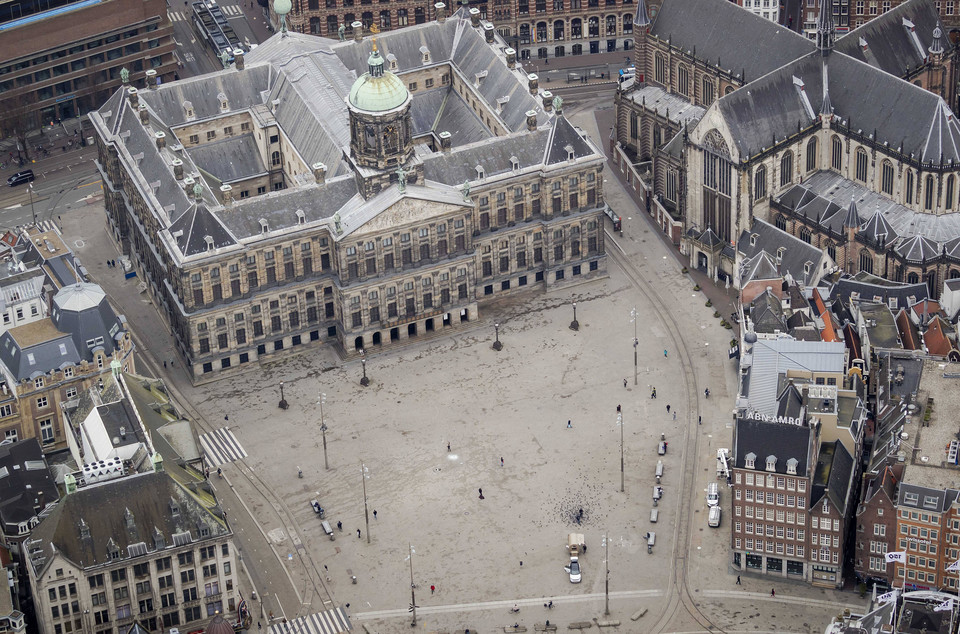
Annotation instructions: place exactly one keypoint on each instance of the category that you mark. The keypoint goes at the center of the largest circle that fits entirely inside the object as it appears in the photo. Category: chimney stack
(475, 17)
(226, 192)
(531, 120)
(533, 83)
(161, 138)
(441, 12)
(152, 79)
(178, 169)
(188, 184)
(144, 114)
(445, 141)
(357, 27)
(319, 173)
(238, 58)
(511, 58)
(547, 98)
(132, 94)
(488, 32)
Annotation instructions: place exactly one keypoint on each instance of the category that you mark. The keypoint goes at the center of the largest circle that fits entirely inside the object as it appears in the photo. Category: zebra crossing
(327, 622)
(229, 10)
(221, 447)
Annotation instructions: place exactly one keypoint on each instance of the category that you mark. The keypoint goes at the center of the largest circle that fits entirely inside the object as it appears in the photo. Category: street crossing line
(229, 10)
(221, 447)
(327, 622)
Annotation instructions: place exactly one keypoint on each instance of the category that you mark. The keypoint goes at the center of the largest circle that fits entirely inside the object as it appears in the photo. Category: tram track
(679, 596)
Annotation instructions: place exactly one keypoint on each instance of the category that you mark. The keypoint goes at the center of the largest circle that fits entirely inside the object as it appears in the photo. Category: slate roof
(879, 324)
(766, 312)
(927, 499)
(230, 159)
(717, 31)
(833, 476)
(795, 255)
(892, 46)
(151, 498)
(917, 249)
(191, 229)
(764, 439)
(761, 266)
(668, 105)
(862, 96)
(25, 483)
(905, 294)
(81, 314)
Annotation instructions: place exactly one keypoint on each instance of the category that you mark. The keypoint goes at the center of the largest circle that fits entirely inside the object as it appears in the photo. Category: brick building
(537, 29)
(62, 58)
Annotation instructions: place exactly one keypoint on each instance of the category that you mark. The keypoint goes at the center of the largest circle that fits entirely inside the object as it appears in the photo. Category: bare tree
(16, 115)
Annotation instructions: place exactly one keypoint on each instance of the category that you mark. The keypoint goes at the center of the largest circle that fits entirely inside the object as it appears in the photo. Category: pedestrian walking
(340, 526)
(706, 393)
(773, 592)
(674, 415)
(433, 589)
(448, 447)
(501, 461)
(481, 494)
(624, 383)
(668, 408)
(738, 580)
(358, 533)
(164, 364)
(226, 417)
(664, 353)
(699, 420)
(569, 424)
(653, 394)
(374, 513)
(618, 408)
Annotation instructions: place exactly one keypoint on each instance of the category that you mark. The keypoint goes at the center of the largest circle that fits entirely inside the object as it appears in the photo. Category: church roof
(877, 229)
(917, 249)
(716, 31)
(852, 219)
(894, 41)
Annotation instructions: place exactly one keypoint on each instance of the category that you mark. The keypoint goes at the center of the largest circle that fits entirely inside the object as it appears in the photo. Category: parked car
(20, 178)
(574, 570)
(713, 517)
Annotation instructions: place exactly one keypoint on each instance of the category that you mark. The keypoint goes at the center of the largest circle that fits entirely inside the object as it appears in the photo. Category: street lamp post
(606, 577)
(620, 424)
(496, 344)
(413, 589)
(323, 430)
(636, 342)
(283, 402)
(366, 513)
(363, 362)
(32, 210)
(574, 325)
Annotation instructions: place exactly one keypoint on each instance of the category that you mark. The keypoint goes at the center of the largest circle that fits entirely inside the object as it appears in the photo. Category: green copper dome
(378, 90)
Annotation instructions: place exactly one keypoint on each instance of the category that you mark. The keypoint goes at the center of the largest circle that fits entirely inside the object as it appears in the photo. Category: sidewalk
(54, 139)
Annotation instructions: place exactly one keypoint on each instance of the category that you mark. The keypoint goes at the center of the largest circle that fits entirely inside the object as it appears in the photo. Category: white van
(713, 517)
(713, 494)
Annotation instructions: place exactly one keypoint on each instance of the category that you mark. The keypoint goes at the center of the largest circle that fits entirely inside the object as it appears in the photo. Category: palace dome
(378, 90)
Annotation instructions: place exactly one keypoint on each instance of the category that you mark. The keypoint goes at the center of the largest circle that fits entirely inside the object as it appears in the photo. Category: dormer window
(224, 106)
(424, 55)
(807, 266)
(480, 172)
(84, 529)
(301, 217)
(792, 466)
(113, 552)
(569, 151)
(753, 239)
(209, 241)
(174, 508)
(749, 460)
(264, 227)
(392, 62)
(514, 163)
(771, 463)
(188, 110)
(780, 252)
(128, 519)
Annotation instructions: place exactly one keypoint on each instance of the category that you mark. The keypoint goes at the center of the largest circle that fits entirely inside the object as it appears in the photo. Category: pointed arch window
(908, 190)
(836, 153)
(760, 183)
(861, 165)
(812, 154)
(886, 178)
(683, 80)
(928, 192)
(866, 261)
(786, 169)
(948, 197)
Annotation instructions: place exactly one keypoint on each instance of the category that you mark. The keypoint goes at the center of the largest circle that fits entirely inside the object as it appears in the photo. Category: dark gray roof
(156, 505)
(26, 485)
(242, 89)
(790, 402)
(459, 165)
(764, 439)
(852, 218)
(833, 476)
(718, 30)
(906, 294)
(117, 416)
(885, 42)
(565, 137)
(766, 312)
(877, 229)
(761, 266)
(82, 311)
(443, 110)
(864, 97)
(279, 209)
(925, 498)
(229, 159)
(796, 252)
(192, 229)
(917, 249)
